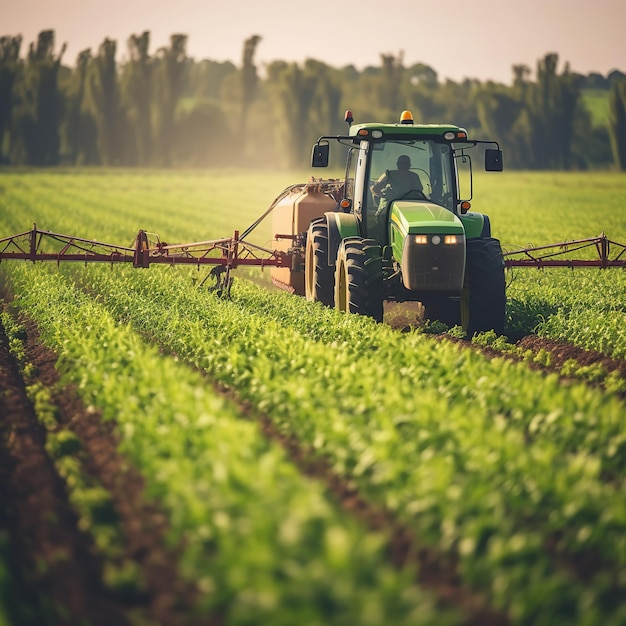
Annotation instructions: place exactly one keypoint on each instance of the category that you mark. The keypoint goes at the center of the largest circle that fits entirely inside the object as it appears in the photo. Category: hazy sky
(459, 39)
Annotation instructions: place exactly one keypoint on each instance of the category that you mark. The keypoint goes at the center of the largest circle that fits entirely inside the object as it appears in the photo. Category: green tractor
(403, 232)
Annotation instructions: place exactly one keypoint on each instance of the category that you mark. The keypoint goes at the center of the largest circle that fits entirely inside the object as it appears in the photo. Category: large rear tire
(319, 281)
(483, 302)
(359, 278)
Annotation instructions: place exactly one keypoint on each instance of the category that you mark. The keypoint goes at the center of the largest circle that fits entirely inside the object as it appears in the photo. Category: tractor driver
(396, 184)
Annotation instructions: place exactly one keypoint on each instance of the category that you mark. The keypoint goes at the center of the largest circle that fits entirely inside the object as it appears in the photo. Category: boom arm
(232, 252)
(225, 254)
(42, 245)
(609, 254)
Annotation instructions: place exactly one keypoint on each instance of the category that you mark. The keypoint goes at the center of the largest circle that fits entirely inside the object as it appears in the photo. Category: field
(172, 457)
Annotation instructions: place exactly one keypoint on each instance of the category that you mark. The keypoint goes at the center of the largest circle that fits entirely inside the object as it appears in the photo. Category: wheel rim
(309, 274)
(342, 290)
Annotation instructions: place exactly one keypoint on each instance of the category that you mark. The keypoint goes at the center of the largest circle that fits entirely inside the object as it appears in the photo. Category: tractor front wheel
(319, 276)
(359, 278)
(482, 304)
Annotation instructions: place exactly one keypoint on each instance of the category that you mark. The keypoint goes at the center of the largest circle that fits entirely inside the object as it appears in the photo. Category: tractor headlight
(435, 240)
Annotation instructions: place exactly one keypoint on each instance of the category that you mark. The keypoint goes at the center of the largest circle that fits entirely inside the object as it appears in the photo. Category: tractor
(401, 234)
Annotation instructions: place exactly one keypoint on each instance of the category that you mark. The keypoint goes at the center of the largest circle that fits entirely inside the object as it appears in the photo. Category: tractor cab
(376, 178)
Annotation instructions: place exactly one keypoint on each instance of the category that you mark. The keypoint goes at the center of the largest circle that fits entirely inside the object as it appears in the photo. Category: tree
(390, 86)
(79, 128)
(617, 121)
(292, 88)
(137, 96)
(103, 102)
(249, 79)
(326, 116)
(203, 136)
(499, 111)
(552, 106)
(10, 66)
(205, 78)
(38, 113)
(421, 74)
(169, 84)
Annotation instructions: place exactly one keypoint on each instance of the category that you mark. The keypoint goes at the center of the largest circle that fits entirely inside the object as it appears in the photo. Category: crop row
(584, 307)
(504, 468)
(91, 501)
(261, 541)
(553, 356)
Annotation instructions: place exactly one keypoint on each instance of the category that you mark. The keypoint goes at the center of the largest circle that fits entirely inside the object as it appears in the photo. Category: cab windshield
(428, 159)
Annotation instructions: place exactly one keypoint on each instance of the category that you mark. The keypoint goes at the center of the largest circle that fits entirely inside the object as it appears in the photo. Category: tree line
(164, 108)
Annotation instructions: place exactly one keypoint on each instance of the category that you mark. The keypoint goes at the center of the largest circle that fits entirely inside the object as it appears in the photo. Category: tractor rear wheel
(483, 301)
(319, 282)
(359, 278)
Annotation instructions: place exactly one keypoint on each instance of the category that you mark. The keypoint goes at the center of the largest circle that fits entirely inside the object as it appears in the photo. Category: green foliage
(169, 74)
(261, 541)
(80, 132)
(137, 95)
(541, 123)
(133, 112)
(617, 121)
(37, 115)
(102, 100)
(597, 103)
(249, 79)
(502, 467)
(384, 395)
(10, 65)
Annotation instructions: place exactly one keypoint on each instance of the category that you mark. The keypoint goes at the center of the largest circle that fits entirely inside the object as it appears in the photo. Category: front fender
(476, 225)
(340, 226)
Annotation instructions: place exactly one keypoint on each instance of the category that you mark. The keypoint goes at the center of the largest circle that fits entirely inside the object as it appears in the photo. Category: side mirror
(321, 150)
(493, 160)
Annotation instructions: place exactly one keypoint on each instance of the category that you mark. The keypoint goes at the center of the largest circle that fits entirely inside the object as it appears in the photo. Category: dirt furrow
(52, 563)
(436, 571)
(167, 597)
(562, 352)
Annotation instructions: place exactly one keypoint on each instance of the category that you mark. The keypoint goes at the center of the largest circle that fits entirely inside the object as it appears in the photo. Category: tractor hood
(415, 218)
(428, 242)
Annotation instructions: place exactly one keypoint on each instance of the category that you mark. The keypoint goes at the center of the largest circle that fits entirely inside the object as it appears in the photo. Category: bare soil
(406, 315)
(53, 562)
(562, 352)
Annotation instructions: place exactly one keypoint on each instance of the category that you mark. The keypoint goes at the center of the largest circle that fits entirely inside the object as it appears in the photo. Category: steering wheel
(421, 195)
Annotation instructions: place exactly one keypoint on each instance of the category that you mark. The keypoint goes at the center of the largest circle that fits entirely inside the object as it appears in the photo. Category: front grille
(430, 267)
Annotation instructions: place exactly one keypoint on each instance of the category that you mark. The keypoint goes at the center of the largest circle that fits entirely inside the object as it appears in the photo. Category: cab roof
(405, 128)
(380, 131)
